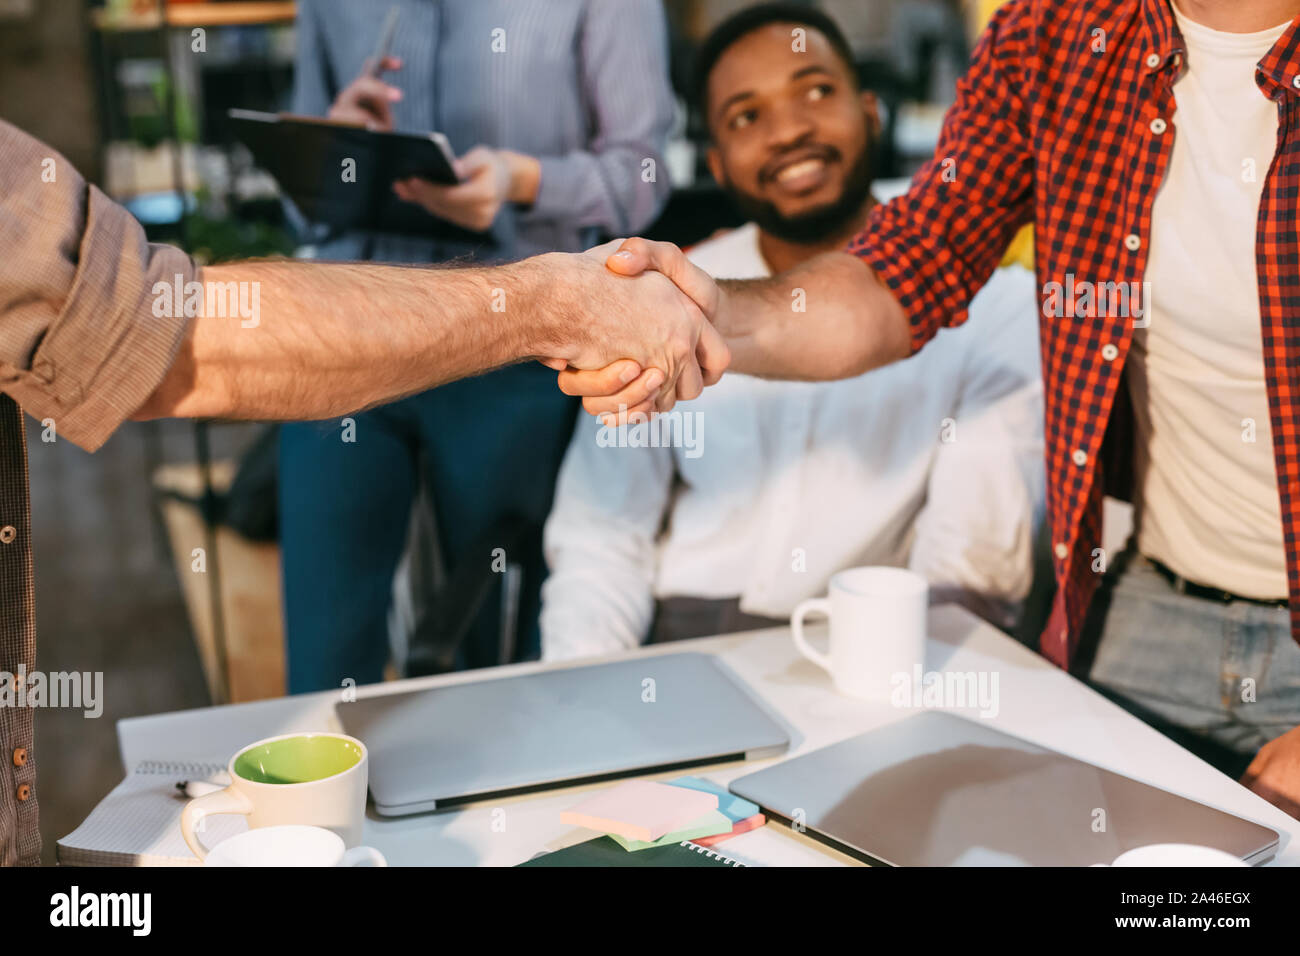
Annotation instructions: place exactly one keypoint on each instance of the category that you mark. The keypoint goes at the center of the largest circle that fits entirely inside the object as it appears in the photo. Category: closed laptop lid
(445, 745)
(940, 790)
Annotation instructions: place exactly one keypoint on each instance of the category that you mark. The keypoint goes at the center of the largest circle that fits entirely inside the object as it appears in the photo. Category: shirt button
(8, 533)
(1061, 550)
(1158, 126)
(1295, 81)
(24, 791)
(1153, 60)
(20, 757)
(1080, 457)
(1132, 242)
(1109, 352)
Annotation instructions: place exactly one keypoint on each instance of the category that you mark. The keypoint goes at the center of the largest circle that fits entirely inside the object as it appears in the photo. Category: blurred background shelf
(181, 15)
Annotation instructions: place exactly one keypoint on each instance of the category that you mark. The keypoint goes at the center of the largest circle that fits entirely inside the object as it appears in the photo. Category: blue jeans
(492, 447)
(1221, 679)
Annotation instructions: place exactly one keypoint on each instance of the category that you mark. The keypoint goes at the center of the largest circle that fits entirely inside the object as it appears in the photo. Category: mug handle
(228, 800)
(820, 606)
(362, 856)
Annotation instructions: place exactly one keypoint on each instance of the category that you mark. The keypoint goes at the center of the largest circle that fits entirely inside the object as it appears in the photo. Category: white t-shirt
(1206, 482)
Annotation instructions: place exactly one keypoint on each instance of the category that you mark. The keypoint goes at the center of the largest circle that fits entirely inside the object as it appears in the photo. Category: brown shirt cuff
(80, 340)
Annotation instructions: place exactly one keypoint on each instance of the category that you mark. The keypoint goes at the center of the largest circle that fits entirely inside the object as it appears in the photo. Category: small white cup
(1176, 854)
(292, 845)
(878, 629)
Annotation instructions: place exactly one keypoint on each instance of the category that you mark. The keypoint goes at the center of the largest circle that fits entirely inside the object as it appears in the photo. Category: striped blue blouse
(580, 84)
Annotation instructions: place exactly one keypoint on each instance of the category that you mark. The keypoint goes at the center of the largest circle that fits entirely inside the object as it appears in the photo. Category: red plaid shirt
(1066, 119)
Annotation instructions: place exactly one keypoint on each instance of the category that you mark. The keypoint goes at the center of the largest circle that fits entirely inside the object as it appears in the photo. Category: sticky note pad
(640, 809)
(737, 808)
(711, 824)
(741, 826)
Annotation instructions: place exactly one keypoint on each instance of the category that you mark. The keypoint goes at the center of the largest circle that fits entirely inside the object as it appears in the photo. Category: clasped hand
(675, 350)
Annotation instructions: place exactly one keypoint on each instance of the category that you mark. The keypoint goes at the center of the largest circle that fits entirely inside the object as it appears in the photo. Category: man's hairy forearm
(827, 319)
(332, 338)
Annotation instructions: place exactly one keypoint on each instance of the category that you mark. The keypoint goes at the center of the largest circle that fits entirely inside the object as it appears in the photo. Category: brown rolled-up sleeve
(80, 340)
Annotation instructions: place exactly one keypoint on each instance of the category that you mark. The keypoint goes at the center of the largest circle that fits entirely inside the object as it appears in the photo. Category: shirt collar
(1161, 37)
(1281, 64)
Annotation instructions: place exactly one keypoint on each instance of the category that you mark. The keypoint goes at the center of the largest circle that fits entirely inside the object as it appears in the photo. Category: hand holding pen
(367, 100)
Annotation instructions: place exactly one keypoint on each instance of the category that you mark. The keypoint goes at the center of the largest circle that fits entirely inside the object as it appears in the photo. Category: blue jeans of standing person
(492, 446)
(1222, 679)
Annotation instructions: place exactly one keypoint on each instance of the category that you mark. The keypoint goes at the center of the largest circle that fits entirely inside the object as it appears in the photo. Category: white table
(1036, 701)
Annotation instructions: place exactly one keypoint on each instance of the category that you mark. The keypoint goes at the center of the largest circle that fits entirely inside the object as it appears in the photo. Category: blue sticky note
(734, 808)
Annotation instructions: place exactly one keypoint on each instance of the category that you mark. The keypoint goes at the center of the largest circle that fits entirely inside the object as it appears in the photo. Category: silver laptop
(438, 748)
(939, 790)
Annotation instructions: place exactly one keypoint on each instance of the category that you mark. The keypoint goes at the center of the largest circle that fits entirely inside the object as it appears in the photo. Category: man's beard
(815, 225)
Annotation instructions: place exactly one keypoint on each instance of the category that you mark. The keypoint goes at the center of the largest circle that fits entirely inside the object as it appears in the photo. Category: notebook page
(139, 822)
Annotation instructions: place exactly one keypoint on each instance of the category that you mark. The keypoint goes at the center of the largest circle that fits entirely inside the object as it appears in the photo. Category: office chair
(441, 631)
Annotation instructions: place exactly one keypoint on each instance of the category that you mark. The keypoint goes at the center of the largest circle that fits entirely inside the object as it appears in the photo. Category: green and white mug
(310, 779)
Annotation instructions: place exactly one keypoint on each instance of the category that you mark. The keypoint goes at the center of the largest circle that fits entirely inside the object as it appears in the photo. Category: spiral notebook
(603, 851)
(139, 822)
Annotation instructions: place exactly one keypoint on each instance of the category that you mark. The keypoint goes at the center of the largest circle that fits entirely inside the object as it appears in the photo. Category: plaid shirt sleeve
(79, 340)
(938, 244)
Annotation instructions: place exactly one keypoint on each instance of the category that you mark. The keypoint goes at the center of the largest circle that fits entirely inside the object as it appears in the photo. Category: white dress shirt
(933, 463)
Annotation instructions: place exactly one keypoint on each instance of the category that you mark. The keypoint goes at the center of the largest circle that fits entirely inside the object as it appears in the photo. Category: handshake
(640, 333)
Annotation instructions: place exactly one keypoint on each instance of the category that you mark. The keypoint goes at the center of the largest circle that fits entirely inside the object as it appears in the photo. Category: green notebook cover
(603, 851)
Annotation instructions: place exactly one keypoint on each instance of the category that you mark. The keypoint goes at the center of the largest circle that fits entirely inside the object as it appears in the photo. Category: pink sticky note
(640, 809)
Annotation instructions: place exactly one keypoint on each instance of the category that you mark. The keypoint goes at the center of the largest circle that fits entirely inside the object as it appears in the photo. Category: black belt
(1191, 588)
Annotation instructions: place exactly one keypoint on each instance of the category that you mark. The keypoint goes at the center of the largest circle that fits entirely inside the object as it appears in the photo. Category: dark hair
(745, 22)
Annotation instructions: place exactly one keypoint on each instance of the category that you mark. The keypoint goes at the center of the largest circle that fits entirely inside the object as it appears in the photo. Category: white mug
(1176, 854)
(877, 626)
(313, 779)
(293, 845)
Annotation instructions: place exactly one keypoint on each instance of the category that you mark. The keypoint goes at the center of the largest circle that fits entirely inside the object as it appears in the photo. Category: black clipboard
(306, 155)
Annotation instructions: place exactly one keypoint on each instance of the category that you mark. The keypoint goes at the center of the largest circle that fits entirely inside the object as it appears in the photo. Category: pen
(197, 788)
(386, 34)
